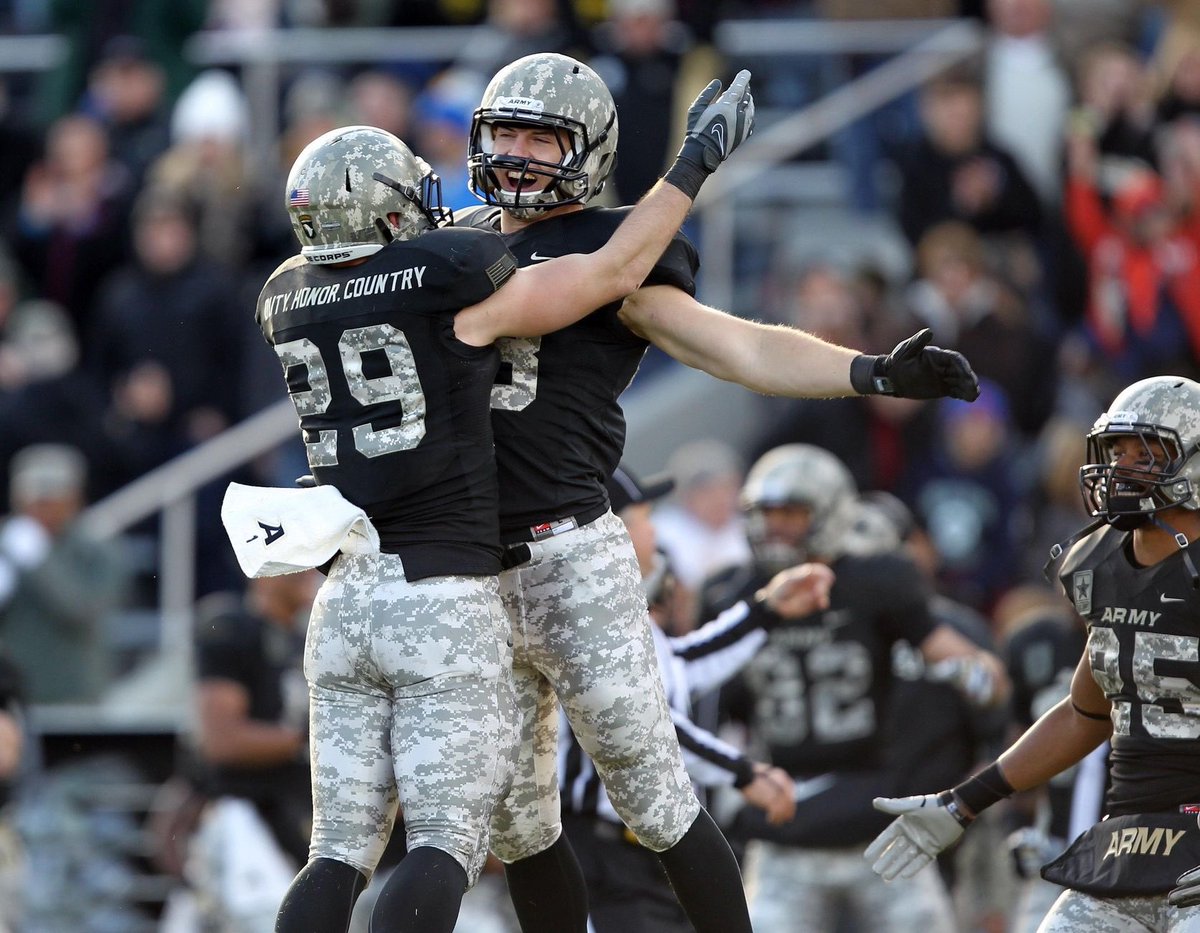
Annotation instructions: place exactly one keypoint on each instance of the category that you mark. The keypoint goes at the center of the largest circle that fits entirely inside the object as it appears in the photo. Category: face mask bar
(1123, 494)
(427, 199)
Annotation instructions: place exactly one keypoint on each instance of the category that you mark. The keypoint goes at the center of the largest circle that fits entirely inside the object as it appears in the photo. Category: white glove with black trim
(925, 828)
(1186, 892)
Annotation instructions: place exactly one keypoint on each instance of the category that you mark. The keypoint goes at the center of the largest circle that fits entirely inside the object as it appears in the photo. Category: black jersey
(235, 644)
(816, 694)
(1041, 659)
(393, 408)
(1144, 647)
(560, 431)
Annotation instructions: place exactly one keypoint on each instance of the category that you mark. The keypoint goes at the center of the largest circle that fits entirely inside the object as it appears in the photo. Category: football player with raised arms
(384, 325)
(1131, 576)
(542, 145)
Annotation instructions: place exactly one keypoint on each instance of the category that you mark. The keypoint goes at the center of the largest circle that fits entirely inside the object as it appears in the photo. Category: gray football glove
(1186, 892)
(717, 125)
(925, 827)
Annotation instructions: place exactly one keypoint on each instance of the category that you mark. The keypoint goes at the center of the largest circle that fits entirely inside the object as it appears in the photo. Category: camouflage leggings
(1075, 910)
(581, 633)
(411, 703)
(793, 890)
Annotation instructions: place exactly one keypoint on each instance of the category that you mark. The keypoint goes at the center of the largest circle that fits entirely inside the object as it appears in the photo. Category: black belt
(544, 530)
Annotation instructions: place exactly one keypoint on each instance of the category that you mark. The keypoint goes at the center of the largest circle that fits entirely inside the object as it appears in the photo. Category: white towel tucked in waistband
(275, 530)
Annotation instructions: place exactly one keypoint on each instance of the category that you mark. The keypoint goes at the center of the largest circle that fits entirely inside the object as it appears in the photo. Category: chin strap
(1059, 549)
(1182, 540)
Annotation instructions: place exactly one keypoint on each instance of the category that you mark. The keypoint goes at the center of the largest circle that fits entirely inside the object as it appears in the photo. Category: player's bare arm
(776, 359)
(1063, 736)
(978, 673)
(545, 297)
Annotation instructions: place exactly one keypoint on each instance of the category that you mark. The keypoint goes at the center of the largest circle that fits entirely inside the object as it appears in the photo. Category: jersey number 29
(399, 384)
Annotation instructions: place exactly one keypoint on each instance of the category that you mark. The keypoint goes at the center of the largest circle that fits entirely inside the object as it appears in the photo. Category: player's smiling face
(542, 144)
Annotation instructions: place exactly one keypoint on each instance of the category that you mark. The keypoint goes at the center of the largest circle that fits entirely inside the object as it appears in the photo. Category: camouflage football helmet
(798, 474)
(549, 90)
(1163, 413)
(357, 188)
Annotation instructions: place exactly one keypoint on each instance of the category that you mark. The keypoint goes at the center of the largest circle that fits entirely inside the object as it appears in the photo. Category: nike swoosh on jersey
(535, 256)
(1164, 598)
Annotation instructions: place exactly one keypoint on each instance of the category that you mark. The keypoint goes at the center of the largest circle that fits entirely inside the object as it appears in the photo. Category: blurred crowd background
(1020, 176)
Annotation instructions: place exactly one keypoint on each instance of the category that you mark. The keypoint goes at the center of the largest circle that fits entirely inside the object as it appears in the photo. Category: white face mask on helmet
(1163, 415)
(355, 189)
(551, 91)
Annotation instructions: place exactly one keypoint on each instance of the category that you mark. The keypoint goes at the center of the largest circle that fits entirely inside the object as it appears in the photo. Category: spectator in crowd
(171, 313)
(127, 93)
(801, 504)
(954, 171)
(628, 891)
(985, 318)
(1027, 90)
(1114, 106)
(641, 53)
(208, 167)
(70, 227)
(89, 25)
(966, 495)
(442, 113)
(58, 585)
(700, 529)
(378, 97)
(47, 397)
(1143, 272)
(252, 751)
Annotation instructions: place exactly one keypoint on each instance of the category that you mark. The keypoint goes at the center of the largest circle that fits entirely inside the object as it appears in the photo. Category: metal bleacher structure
(728, 215)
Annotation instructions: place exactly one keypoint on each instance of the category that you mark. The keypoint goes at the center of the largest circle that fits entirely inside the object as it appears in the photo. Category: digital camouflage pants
(581, 637)
(411, 704)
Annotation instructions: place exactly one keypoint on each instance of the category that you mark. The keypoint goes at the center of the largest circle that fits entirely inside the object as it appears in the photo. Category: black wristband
(743, 773)
(763, 615)
(982, 790)
(947, 799)
(862, 374)
(686, 175)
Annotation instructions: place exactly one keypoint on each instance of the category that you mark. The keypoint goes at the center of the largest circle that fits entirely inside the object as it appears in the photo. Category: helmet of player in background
(355, 189)
(798, 475)
(1163, 413)
(547, 90)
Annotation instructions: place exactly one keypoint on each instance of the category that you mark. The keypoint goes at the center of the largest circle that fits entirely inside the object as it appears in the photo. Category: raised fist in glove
(1186, 892)
(716, 126)
(926, 827)
(915, 370)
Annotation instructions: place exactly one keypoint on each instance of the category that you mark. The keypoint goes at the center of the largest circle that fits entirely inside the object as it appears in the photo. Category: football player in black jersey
(384, 326)
(816, 696)
(1132, 578)
(542, 145)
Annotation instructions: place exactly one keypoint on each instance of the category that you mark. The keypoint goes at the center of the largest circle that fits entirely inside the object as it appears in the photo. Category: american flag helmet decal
(298, 197)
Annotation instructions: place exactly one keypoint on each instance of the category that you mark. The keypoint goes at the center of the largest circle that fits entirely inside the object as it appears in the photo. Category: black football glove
(915, 370)
(716, 126)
